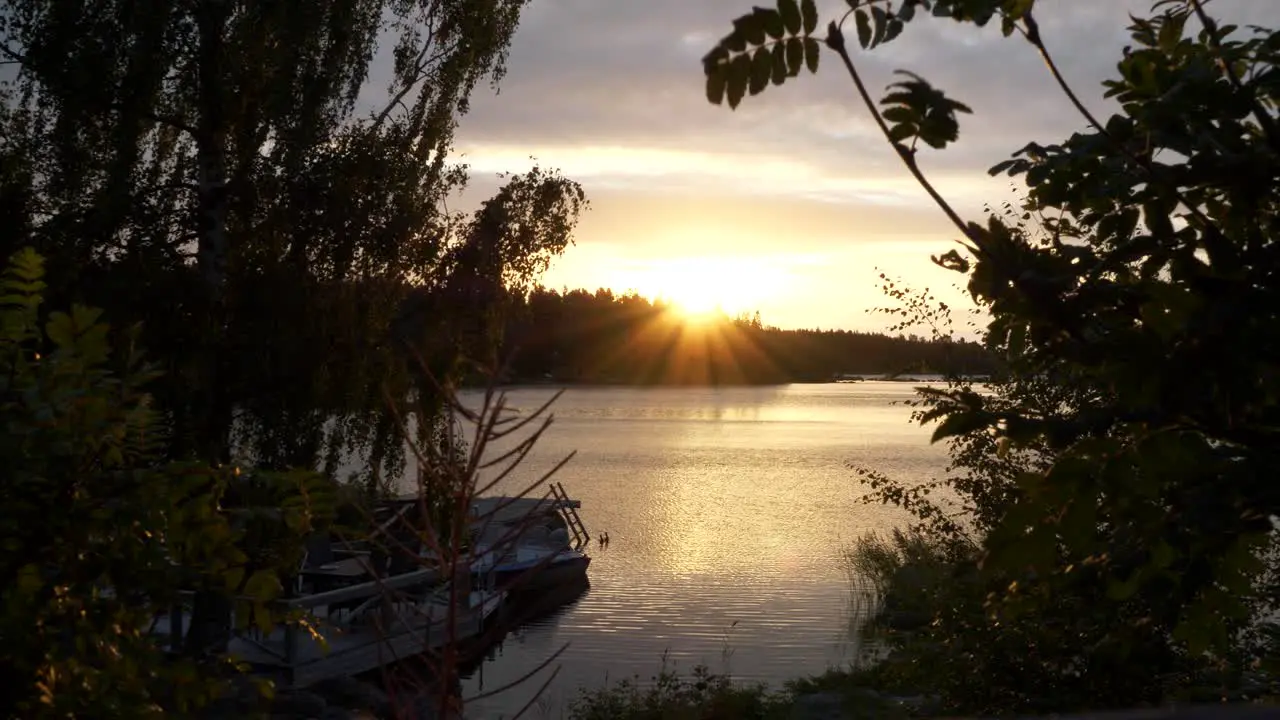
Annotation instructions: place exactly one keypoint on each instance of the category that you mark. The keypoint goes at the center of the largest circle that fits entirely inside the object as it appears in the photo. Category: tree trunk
(210, 628)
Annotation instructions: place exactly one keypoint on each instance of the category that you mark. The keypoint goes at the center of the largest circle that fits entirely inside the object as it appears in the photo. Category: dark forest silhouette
(602, 337)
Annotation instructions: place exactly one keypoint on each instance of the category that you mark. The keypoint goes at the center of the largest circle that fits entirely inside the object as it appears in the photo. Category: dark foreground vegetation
(577, 336)
(222, 279)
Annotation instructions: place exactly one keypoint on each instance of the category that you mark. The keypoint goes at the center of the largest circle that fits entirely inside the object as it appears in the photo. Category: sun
(703, 289)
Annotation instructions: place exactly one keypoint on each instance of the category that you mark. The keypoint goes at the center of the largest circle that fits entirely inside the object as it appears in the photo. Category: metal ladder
(580, 535)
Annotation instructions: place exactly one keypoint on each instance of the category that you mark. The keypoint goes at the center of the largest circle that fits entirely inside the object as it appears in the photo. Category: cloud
(610, 92)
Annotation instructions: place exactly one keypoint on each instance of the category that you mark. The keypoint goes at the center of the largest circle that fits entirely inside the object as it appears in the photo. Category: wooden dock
(361, 627)
(383, 627)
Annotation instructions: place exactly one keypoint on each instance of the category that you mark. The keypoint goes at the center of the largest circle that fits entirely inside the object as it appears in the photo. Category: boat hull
(562, 572)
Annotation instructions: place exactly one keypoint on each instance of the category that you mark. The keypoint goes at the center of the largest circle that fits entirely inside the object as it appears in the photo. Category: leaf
(959, 423)
(779, 55)
(733, 42)
(1171, 30)
(879, 20)
(809, 16)
(750, 27)
(714, 59)
(716, 81)
(771, 21)
(263, 585)
(61, 330)
(812, 50)
(739, 74)
(761, 70)
(790, 12)
(795, 55)
(864, 28)
(892, 30)
(899, 114)
(898, 133)
(906, 12)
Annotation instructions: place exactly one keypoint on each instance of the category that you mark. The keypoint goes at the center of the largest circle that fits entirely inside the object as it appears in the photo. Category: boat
(531, 567)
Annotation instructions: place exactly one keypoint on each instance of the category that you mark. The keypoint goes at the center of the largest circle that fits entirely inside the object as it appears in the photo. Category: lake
(727, 510)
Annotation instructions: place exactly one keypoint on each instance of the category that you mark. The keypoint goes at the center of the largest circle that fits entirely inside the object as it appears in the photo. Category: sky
(791, 205)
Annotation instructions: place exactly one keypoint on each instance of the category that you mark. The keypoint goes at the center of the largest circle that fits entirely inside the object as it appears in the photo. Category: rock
(299, 704)
(348, 692)
(819, 706)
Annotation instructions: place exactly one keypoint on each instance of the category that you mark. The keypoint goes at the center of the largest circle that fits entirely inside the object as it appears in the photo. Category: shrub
(100, 533)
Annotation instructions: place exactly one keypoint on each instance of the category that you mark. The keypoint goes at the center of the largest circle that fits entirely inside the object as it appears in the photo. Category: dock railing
(407, 635)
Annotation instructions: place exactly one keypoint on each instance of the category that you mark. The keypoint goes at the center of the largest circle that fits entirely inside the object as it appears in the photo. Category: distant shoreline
(844, 380)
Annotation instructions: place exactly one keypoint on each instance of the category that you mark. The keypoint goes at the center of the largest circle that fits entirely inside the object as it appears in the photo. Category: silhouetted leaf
(716, 82)
(809, 15)
(790, 12)
(779, 54)
(771, 21)
(863, 23)
(761, 70)
(795, 55)
(959, 423)
(892, 30)
(750, 27)
(811, 52)
(739, 75)
(879, 20)
(717, 56)
(734, 41)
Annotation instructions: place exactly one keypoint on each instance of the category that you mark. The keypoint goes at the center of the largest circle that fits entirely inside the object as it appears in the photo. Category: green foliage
(100, 534)
(1118, 482)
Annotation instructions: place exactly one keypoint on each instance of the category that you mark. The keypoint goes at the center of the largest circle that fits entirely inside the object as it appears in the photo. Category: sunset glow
(702, 288)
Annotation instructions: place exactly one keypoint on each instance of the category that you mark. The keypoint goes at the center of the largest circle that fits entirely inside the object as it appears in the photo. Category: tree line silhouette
(578, 336)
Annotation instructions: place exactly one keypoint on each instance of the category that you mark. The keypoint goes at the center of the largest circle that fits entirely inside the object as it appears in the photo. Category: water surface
(727, 510)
